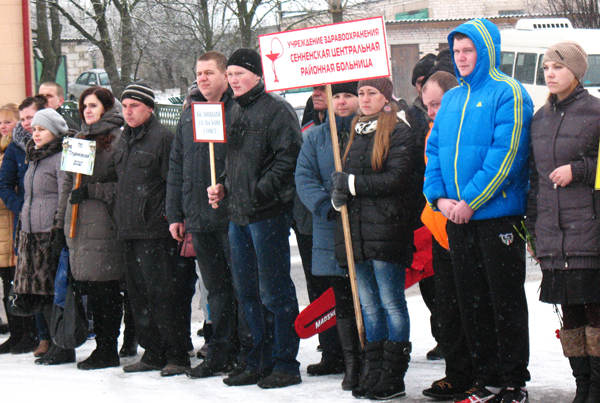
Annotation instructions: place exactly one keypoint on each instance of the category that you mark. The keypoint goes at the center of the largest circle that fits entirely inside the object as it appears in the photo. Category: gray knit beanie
(571, 55)
(50, 119)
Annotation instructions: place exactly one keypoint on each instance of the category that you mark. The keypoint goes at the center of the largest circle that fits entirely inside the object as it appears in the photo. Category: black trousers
(160, 286)
(427, 288)
(489, 266)
(106, 303)
(316, 286)
(344, 304)
(448, 324)
(214, 260)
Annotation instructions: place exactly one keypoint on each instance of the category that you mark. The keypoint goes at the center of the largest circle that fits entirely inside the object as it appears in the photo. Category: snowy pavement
(22, 381)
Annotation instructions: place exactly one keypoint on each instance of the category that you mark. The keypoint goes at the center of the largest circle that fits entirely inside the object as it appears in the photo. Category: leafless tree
(581, 13)
(95, 25)
(48, 39)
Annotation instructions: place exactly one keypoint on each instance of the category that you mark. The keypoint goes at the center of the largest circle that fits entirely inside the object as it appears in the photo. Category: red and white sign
(327, 54)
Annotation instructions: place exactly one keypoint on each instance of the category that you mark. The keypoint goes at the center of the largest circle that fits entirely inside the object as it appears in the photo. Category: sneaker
(435, 354)
(279, 379)
(174, 369)
(140, 366)
(209, 368)
(443, 389)
(248, 377)
(513, 395)
(327, 366)
(478, 394)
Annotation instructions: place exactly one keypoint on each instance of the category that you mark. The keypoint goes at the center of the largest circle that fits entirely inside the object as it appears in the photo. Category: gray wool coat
(95, 253)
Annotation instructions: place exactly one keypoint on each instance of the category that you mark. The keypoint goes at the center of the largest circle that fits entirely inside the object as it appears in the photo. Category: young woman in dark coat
(562, 212)
(377, 183)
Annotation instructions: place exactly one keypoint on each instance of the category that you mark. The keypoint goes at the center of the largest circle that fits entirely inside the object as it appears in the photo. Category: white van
(523, 50)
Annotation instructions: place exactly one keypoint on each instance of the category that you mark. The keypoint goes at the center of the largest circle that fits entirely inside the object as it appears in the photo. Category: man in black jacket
(189, 176)
(258, 184)
(160, 283)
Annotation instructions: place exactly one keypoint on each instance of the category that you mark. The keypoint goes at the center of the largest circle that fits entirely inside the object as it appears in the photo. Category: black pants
(427, 288)
(160, 286)
(344, 304)
(449, 328)
(316, 286)
(489, 266)
(106, 303)
(18, 325)
(214, 260)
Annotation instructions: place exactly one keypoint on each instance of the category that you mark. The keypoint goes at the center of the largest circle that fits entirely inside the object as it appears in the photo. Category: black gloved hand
(332, 215)
(340, 181)
(80, 194)
(339, 198)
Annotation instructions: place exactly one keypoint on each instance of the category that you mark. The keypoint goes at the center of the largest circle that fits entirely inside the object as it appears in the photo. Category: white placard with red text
(327, 54)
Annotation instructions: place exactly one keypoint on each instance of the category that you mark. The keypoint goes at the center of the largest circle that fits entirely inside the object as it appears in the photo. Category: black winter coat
(189, 174)
(263, 145)
(564, 221)
(382, 212)
(142, 168)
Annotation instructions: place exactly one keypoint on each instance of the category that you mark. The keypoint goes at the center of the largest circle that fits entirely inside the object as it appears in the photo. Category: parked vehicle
(523, 50)
(89, 78)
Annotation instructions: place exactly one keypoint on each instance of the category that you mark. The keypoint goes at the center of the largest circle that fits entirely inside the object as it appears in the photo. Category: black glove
(59, 240)
(340, 181)
(339, 198)
(80, 194)
(332, 215)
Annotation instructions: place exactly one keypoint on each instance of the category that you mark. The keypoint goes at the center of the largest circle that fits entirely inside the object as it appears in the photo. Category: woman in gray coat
(39, 245)
(97, 258)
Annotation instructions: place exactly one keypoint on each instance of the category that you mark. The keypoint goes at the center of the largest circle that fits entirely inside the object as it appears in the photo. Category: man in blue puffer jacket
(477, 176)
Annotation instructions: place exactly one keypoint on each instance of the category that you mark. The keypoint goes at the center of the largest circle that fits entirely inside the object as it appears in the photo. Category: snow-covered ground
(22, 381)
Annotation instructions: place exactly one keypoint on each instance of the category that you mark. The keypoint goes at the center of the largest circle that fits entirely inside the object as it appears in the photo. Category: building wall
(12, 65)
(81, 56)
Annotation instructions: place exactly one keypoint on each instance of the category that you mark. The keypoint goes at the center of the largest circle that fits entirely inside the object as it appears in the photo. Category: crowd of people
(469, 160)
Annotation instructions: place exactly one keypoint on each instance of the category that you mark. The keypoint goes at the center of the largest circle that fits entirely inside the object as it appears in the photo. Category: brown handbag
(186, 246)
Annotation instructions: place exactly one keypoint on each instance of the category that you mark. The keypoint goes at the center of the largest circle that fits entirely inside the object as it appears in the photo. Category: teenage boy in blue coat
(477, 176)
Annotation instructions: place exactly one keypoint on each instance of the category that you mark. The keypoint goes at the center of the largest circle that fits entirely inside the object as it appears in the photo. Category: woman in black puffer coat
(562, 211)
(378, 185)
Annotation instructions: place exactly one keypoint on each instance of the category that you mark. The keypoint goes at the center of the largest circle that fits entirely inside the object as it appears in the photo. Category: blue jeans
(260, 253)
(381, 291)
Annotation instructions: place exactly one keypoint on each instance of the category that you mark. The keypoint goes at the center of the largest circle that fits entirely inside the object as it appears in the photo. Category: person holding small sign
(96, 257)
(189, 176)
(40, 243)
(160, 283)
(258, 183)
(377, 183)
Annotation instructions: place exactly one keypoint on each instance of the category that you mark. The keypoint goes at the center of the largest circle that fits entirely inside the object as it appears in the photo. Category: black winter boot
(592, 338)
(348, 335)
(371, 371)
(58, 356)
(396, 356)
(574, 347)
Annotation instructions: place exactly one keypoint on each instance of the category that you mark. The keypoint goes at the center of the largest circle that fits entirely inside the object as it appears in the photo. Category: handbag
(69, 325)
(24, 304)
(186, 246)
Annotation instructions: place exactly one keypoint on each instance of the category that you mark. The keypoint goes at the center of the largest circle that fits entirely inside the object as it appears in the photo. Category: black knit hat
(248, 59)
(350, 88)
(139, 92)
(422, 67)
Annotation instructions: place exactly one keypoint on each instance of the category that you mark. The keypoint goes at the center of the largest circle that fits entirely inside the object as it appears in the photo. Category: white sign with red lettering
(335, 53)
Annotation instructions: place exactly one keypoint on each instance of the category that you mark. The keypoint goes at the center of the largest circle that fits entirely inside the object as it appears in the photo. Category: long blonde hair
(386, 121)
(9, 111)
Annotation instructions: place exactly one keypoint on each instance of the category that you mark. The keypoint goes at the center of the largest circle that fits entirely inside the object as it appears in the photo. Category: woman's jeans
(381, 291)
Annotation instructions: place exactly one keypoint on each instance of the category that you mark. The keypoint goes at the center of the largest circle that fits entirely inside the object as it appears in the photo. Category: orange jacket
(434, 220)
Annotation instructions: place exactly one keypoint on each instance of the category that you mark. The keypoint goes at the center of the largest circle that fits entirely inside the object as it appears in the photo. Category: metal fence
(168, 115)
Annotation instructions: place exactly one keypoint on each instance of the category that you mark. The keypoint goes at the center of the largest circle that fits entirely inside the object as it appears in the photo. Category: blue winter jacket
(313, 183)
(479, 145)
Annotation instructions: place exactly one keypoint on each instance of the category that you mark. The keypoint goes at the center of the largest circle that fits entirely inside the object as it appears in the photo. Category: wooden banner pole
(345, 220)
(75, 209)
(213, 175)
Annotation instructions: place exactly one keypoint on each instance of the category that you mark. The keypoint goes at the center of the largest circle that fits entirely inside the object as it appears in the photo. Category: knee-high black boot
(592, 338)
(574, 348)
(348, 335)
